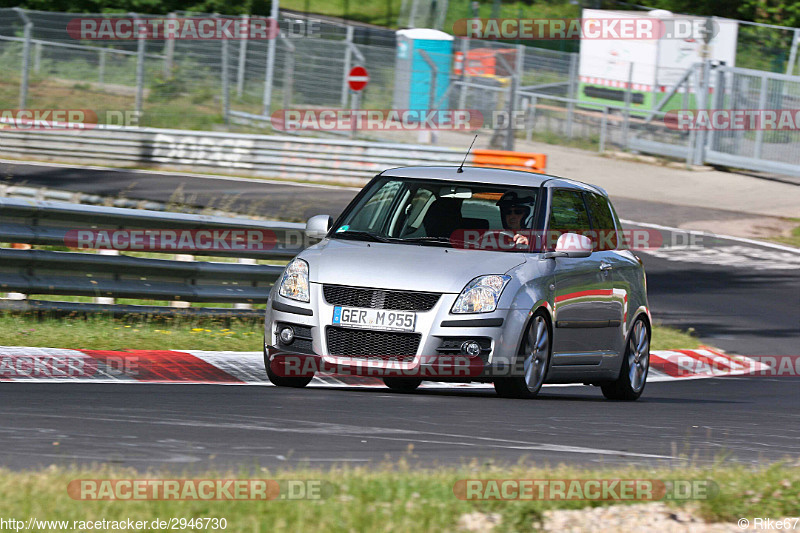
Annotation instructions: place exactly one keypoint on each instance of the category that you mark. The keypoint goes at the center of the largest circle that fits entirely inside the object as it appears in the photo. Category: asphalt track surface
(191, 427)
(751, 311)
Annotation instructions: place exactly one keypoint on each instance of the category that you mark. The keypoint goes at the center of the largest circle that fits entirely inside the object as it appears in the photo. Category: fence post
(245, 261)
(573, 82)
(430, 135)
(26, 59)
(101, 69)
(18, 295)
(793, 52)
(226, 100)
(169, 47)
(702, 104)
(139, 68)
(182, 303)
(355, 104)
(603, 130)
(267, 103)
(288, 74)
(242, 57)
(692, 132)
(628, 98)
(512, 95)
(718, 102)
(462, 97)
(348, 51)
(106, 300)
(37, 57)
(762, 102)
(530, 120)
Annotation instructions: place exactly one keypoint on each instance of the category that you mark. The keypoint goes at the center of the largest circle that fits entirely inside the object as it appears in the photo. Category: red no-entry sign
(358, 78)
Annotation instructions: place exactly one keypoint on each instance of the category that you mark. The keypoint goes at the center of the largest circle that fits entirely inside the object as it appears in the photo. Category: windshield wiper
(361, 235)
(431, 239)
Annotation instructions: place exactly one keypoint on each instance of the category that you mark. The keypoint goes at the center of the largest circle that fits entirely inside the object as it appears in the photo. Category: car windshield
(441, 213)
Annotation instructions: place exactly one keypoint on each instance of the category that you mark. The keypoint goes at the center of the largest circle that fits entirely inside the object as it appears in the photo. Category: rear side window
(568, 212)
(604, 232)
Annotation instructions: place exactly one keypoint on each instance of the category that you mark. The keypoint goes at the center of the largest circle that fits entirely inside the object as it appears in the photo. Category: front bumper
(437, 356)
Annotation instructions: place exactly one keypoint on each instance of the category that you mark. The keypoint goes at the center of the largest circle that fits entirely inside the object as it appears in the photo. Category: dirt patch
(752, 228)
(644, 518)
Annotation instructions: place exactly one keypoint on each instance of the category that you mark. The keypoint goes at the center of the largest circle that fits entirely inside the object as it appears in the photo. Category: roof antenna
(461, 166)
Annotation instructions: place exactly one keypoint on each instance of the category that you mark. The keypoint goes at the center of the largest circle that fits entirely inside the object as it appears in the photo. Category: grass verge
(197, 333)
(96, 332)
(793, 239)
(393, 497)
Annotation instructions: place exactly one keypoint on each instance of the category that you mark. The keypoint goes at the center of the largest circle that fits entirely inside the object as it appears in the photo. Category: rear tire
(534, 354)
(635, 364)
(285, 381)
(402, 384)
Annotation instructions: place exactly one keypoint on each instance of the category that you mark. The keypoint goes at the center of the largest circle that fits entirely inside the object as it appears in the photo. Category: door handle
(605, 266)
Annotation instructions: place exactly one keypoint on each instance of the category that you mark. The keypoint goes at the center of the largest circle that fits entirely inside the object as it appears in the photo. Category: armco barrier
(259, 155)
(122, 276)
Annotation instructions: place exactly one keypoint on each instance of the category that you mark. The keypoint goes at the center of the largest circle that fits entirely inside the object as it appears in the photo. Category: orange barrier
(510, 160)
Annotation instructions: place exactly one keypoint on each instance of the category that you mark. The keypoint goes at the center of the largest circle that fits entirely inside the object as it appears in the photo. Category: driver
(514, 212)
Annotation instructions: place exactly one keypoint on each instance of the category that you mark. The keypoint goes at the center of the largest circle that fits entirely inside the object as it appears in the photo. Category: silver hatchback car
(465, 274)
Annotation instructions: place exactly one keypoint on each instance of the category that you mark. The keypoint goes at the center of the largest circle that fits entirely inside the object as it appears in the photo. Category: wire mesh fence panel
(767, 96)
(379, 60)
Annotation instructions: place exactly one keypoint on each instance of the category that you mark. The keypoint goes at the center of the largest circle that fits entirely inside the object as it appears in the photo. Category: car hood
(403, 266)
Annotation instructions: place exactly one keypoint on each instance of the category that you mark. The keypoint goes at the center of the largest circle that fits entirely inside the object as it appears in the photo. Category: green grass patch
(97, 332)
(392, 497)
(793, 239)
(666, 338)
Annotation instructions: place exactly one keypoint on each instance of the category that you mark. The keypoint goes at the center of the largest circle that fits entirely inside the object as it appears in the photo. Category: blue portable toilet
(412, 87)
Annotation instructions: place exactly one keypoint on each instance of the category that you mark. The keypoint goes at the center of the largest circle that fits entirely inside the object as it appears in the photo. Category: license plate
(374, 318)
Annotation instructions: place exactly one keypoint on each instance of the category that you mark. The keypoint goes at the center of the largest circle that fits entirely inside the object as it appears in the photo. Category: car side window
(567, 215)
(604, 234)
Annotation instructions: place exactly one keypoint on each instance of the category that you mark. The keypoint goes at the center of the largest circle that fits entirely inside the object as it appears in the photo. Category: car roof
(492, 176)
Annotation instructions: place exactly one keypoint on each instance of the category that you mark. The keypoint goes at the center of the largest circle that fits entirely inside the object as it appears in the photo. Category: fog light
(471, 348)
(286, 334)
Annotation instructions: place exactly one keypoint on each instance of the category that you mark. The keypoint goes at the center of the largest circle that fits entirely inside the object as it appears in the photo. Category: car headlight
(294, 283)
(481, 295)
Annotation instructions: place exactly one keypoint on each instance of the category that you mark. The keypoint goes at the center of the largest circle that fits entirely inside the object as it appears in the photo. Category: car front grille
(379, 298)
(372, 345)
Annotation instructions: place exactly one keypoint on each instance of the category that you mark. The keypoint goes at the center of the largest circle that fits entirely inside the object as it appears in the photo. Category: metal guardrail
(259, 155)
(122, 276)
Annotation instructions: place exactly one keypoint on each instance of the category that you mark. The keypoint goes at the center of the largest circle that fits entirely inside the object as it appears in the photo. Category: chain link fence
(521, 91)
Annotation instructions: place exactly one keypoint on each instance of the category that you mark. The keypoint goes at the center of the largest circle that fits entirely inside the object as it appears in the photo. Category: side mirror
(572, 245)
(318, 226)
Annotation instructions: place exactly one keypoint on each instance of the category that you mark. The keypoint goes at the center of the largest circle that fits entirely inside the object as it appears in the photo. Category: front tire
(285, 381)
(402, 384)
(635, 364)
(535, 354)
